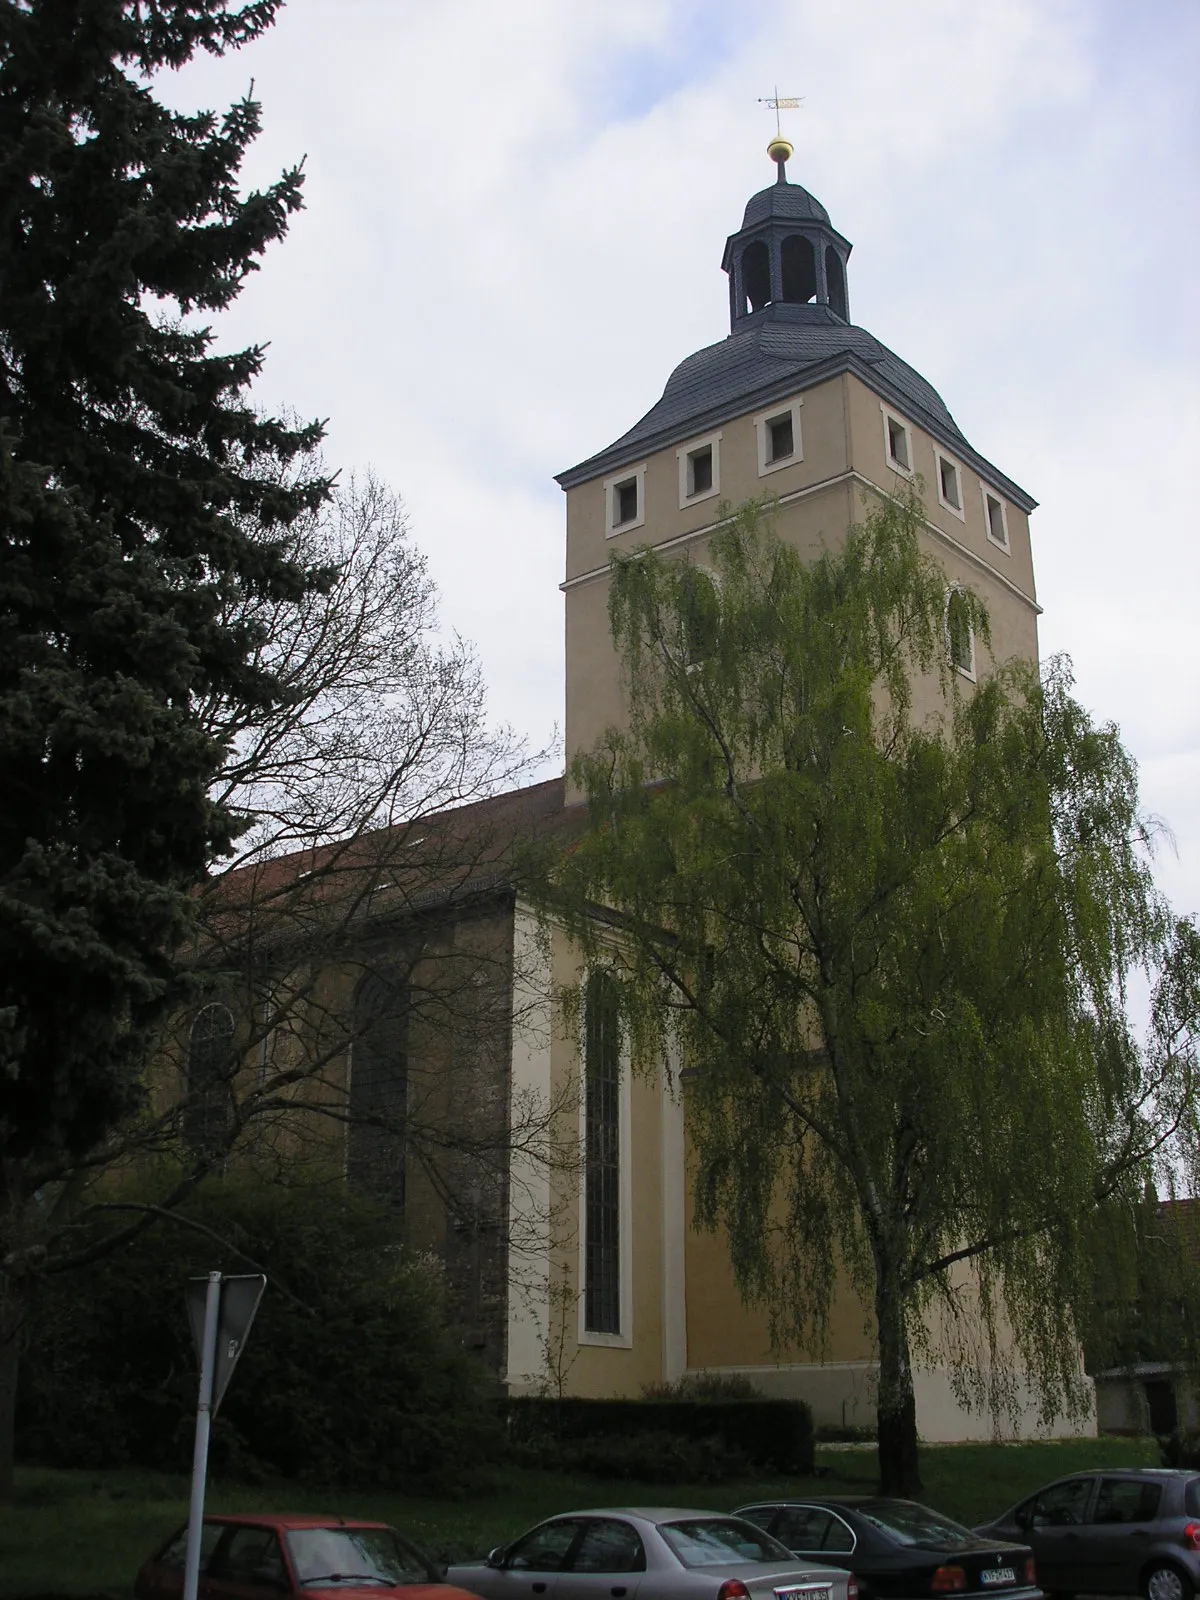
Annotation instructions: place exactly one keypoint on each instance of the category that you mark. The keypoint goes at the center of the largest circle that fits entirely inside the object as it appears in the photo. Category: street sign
(239, 1302)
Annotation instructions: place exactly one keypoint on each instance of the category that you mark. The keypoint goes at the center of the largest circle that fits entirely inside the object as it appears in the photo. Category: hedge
(773, 1434)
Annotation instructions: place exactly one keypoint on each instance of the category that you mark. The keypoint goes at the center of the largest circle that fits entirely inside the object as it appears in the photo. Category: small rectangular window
(700, 471)
(779, 430)
(897, 436)
(997, 523)
(625, 502)
(948, 483)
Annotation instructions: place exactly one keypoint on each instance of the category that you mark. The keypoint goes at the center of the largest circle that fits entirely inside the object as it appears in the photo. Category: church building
(407, 992)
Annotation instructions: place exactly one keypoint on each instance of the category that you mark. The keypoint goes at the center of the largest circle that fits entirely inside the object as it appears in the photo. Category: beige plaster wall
(819, 497)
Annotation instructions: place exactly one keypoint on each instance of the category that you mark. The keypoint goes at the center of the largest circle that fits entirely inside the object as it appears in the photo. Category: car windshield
(713, 1540)
(356, 1555)
(908, 1523)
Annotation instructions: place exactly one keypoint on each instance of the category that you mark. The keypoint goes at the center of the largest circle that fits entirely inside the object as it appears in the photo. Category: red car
(265, 1557)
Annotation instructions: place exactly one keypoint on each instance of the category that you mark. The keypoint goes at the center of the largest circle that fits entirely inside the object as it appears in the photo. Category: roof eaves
(628, 449)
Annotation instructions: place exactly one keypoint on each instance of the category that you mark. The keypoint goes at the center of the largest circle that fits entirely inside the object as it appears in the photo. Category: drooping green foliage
(1146, 1305)
(348, 1376)
(138, 494)
(885, 920)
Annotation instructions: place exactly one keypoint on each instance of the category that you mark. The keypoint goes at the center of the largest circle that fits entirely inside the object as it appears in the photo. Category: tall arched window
(799, 263)
(699, 615)
(379, 1087)
(756, 275)
(960, 636)
(208, 1107)
(835, 279)
(602, 1155)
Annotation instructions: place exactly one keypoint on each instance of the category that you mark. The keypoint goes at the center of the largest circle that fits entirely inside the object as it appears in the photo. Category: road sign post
(220, 1311)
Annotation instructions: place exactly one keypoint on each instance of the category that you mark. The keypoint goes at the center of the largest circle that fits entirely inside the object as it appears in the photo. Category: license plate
(993, 1576)
(804, 1591)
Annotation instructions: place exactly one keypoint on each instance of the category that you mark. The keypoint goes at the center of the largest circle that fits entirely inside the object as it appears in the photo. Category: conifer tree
(138, 494)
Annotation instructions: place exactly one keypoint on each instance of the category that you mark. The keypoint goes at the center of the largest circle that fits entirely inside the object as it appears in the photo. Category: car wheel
(1167, 1583)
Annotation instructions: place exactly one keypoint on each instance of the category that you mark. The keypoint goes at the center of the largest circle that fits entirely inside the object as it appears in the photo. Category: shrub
(348, 1375)
(658, 1457)
(1180, 1449)
(776, 1435)
(704, 1386)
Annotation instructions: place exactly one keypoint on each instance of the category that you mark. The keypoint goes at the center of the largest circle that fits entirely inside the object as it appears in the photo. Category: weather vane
(779, 149)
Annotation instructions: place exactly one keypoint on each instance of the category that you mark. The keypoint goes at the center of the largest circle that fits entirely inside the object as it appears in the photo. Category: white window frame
(963, 672)
(940, 459)
(890, 416)
(684, 455)
(638, 474)
(585, 1335)
(763, 432)
(990, 494)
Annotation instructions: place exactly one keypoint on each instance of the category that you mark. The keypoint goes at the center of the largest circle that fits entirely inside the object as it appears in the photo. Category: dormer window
(949, 485)
(625, 501)
(897, 442)
(779, 440)
(699, 470)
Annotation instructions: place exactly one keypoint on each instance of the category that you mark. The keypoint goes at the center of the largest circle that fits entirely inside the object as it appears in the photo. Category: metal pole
(208, 1362)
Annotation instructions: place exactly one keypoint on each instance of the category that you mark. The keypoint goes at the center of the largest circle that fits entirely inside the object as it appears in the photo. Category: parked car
(659, 1554)
(1131, 1531)
(896, 1548)
(310, 1558)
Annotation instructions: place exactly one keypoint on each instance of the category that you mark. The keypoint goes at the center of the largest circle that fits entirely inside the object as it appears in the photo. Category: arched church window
(960, 635)
(378, 1100)
(208, 1107)
(835, 279)
(756, 275)
(699, 614)
(799, 269)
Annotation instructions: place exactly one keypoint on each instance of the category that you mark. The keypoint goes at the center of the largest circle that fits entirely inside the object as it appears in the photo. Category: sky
(515, 214)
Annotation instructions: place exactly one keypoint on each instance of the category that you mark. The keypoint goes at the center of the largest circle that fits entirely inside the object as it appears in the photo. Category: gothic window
(378, 1088)
(799, 269)
(756, 275)
(207, 1107)
(835, 281)
(602, 1157)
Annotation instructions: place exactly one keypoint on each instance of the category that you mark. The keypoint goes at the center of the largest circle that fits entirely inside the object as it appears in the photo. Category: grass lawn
(88, 1532)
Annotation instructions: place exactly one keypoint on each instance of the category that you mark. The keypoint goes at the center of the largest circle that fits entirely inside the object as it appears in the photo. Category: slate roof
(775, 352)
(788, 200)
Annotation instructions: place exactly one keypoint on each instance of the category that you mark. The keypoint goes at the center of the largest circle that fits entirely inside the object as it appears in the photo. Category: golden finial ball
(779, 150)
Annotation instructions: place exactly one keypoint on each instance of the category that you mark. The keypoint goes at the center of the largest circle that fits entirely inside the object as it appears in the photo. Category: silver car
(651, 1553)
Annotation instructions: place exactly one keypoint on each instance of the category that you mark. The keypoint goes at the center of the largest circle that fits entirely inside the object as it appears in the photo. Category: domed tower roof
(790, 329)
(785, 200)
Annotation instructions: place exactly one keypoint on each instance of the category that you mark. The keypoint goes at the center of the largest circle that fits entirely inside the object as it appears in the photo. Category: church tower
(799, 403)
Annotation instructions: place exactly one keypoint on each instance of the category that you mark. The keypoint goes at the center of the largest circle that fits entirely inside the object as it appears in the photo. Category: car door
(534, 1563)
(247, 1564)
(1119, 1530)
(608, 1563)
(1054, 1523)
(162, 1578)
